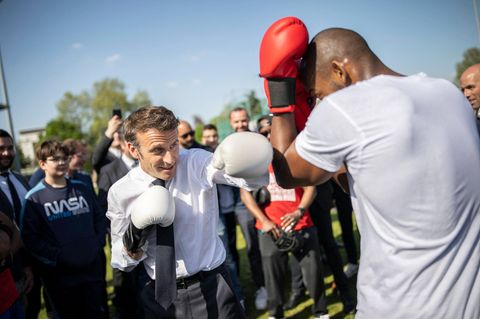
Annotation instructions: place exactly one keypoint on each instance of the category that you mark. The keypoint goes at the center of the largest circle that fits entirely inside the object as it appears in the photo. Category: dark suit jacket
(5, 205)
(20, 258)
(101, 156)
(109, 174)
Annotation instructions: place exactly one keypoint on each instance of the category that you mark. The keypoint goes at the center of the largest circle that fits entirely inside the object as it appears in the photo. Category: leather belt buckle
(184, 283)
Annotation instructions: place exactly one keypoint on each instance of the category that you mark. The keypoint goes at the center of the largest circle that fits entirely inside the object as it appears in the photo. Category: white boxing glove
(244, 155)
(154, 206)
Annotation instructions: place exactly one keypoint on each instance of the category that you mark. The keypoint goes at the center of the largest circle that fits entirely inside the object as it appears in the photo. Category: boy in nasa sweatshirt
(64, 230)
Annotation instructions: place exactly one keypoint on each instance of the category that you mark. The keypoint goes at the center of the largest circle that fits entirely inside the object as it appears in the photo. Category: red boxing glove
(302, 108)
(282, 47)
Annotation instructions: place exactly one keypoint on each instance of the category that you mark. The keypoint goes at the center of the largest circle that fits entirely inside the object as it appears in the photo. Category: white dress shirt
(197, 245)
(129, 162)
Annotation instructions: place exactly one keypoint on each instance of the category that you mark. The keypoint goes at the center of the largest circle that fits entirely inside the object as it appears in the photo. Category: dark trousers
(275, 268)
(127, 287)
(320, 213)
(344, 212)
(211, 297)
(231, 229)
(78, 301)
(34, 297)
(103, 260)
(247, 224)
(229, 262)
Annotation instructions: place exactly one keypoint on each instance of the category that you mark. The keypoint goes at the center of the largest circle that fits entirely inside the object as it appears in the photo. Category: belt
(185, 282)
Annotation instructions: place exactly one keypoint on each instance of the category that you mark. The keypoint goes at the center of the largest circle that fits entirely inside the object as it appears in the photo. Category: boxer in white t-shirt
(410, 153)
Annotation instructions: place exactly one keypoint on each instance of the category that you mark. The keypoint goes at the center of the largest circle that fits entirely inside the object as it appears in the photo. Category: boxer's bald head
(336, 58)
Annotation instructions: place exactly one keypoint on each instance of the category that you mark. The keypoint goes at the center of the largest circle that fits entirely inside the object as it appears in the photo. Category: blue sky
(196, 56)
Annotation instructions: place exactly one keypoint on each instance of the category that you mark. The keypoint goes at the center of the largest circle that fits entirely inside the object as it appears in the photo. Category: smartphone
(117, 112)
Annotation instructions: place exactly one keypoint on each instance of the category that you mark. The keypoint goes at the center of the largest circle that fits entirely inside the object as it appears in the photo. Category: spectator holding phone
(109, 147)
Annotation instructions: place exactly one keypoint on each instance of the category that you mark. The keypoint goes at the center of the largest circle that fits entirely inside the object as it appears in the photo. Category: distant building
(26, 142)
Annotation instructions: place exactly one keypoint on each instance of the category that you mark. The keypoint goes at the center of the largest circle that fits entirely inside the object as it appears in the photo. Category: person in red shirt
(10, 302)
(277, 212)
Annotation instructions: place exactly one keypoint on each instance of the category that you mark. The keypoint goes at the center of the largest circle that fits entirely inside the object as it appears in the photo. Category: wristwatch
(302, 210)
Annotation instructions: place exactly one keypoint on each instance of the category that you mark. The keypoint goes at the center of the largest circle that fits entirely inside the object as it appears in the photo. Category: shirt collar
(128, 161)
(142, 175)
(5, 173)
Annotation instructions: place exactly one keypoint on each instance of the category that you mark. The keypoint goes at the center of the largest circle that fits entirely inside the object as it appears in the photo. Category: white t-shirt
(412, 152)
(197, 245)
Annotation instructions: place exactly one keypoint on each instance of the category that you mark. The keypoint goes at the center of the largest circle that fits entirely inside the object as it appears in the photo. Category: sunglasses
(191, 133)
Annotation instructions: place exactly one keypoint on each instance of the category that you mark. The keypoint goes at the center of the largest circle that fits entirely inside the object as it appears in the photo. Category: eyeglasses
(191, 133)
(58, 160)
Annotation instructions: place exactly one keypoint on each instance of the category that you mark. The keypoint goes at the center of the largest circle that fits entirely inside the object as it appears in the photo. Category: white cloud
(77, 45)
(112, 58)
(196, 82)
(172, 84)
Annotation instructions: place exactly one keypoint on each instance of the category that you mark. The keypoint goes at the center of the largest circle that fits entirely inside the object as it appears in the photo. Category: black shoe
(349, 306)
(295, 298)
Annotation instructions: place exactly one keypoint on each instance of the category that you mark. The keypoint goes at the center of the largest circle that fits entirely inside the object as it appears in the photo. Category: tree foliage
(24, 161)
(90, 110)
(470, 57)
(61, 129)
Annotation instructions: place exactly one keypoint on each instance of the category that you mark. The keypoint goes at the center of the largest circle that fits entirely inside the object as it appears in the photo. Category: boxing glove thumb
(154, 206)
(244, 155)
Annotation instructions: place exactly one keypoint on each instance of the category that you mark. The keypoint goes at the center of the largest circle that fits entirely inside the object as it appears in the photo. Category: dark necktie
(17, 205)
(165, 270)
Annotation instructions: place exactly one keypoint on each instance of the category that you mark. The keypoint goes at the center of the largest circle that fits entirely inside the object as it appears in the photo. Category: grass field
(302, 311)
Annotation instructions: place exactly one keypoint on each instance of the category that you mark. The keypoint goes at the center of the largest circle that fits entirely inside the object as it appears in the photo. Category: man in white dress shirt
(204, 289)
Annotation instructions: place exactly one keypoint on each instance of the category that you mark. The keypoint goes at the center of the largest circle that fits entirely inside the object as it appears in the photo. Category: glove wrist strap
(282, 94)
(134, 238)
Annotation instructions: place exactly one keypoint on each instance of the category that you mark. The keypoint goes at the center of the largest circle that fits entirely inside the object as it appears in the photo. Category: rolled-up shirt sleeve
(119, 220)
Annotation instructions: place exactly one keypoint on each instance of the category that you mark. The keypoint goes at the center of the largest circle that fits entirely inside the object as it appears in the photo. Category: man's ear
(133, 151)
(340, 74)
(42, 164)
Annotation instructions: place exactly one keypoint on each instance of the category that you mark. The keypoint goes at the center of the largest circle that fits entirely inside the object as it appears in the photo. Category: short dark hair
(149, 117)
(261, 118)
(73, 145)
(210, 127)
(4, 133)
(51, 148)
(238, 109)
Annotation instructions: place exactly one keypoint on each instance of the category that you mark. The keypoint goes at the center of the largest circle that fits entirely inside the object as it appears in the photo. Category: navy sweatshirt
(65, 231)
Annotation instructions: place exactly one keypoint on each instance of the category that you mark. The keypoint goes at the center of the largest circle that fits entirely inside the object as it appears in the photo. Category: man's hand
(270, 227)
(113, 126)
(135, 254)
(290, 220)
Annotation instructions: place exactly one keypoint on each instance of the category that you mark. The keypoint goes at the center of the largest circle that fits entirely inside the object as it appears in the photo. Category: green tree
(470, 57)
(24, 161)
(75, 109)
(91, 109)
(61, 129)
(141, 98)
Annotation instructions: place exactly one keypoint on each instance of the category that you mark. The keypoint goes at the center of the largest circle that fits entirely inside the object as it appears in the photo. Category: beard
(6, 162)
